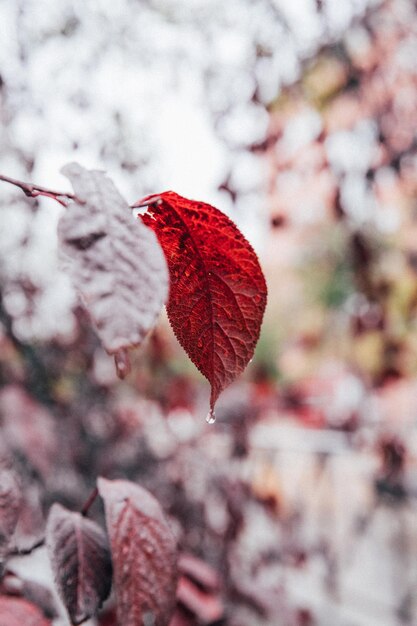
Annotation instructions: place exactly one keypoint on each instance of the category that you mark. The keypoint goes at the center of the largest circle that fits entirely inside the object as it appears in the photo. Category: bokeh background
(299, 507)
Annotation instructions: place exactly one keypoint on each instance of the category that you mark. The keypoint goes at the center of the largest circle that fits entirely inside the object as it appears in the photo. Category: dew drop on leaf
(211, 417)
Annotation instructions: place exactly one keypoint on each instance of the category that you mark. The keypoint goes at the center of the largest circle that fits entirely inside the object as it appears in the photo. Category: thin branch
(86, 506)
(145, 203)
(32, 191)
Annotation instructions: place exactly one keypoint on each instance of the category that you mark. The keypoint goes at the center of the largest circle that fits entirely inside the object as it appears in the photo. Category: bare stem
(32, 191)
(86, 506)
(145, 203)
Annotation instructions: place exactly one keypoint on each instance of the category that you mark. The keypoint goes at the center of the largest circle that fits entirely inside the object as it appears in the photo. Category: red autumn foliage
(217, 290)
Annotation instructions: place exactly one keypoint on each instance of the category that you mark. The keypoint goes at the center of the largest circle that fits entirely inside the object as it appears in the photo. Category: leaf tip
(211, 416)
(122, 362)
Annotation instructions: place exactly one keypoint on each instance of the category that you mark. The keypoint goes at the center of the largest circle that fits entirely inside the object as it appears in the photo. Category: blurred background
(299, 506)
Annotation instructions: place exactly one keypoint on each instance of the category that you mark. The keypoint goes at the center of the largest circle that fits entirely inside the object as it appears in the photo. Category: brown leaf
(144, 554)
(80, 560)
(19, 612)
(116, 262)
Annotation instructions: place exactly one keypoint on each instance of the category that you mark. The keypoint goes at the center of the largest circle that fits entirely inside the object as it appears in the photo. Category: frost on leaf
(143, 552)
(80, 560)
(217, 289)
(10, 504)
(19, 612)
(116, 262)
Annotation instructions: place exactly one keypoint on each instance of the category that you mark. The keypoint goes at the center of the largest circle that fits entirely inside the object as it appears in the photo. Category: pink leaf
(116, 262)
(144, 554)
(80, 561)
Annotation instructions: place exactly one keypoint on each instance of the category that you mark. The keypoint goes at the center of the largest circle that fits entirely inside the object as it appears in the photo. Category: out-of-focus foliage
(161, 94)
(343, 184)
(298, 508)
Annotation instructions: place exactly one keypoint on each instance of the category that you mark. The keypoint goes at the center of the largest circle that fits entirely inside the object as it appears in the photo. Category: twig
(32, 191)
(146, 202)
(86, 506)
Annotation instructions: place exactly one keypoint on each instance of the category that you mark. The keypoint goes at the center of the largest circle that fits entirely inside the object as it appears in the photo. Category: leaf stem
(87, 504)
(32, 191)
(146, 202)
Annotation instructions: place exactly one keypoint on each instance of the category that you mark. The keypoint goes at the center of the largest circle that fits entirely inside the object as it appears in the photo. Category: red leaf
(19, 612)
(144, 554)
(218, 292)
(80, 561)
(116, 263)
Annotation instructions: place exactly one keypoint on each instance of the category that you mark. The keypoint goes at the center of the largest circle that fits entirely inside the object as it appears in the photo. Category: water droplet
(250, 360)
(211, 417)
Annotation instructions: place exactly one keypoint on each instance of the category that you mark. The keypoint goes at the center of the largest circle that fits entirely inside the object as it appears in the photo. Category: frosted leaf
(143, 551)
(80, 560)
(115, 261)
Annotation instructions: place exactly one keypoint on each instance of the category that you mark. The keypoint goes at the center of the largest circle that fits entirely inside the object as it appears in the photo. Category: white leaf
(116, 262)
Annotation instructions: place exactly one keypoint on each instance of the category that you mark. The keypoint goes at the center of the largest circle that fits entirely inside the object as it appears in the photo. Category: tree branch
(32, 191)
